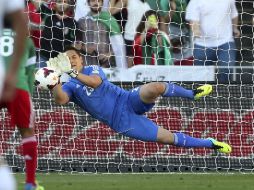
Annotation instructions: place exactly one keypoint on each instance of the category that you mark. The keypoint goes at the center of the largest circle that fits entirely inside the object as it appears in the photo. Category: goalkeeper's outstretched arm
(60, 96)
(92, 80)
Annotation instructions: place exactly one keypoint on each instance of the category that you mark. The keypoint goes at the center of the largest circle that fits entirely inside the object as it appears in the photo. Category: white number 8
(6, 46)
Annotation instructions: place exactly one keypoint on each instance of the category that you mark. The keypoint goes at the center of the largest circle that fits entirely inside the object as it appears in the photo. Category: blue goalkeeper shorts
(132, 121)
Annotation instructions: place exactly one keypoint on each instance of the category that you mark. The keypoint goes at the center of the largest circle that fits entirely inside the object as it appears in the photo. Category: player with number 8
(20, 107)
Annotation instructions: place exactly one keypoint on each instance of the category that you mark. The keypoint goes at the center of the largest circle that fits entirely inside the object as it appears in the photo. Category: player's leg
(183, 140)
(204, 56)
(29, 147)
(141, 128)
(226, 57)
(23, 116)
(151, 91)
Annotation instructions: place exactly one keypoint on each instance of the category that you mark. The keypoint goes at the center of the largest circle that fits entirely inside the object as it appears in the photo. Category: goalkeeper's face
(76, 60)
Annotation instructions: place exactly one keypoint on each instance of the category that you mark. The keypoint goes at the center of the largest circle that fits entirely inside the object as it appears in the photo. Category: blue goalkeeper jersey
(104, 103)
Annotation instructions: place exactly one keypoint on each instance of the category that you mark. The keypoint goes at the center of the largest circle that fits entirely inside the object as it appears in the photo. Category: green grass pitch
(58, 181)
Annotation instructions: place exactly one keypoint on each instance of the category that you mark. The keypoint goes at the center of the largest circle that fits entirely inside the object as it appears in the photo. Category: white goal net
(71, 140)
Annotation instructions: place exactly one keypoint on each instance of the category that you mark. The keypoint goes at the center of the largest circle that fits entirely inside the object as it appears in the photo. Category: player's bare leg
(165, 136)
(26, 132)
(151, 91)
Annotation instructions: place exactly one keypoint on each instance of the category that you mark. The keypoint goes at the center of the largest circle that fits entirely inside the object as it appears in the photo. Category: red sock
(30, 156)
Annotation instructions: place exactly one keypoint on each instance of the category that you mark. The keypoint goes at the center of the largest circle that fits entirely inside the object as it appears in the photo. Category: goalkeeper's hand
(61, 64)
(53, 63)
(65, 65)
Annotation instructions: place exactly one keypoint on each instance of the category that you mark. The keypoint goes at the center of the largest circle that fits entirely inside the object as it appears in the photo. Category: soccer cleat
(30, 186)
(221, 146)
(39, 187)
(202, 91)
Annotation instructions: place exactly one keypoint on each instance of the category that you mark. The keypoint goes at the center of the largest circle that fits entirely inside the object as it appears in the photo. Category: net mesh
(71, 140)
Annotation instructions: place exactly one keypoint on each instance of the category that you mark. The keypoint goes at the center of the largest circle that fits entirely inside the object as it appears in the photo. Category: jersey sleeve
(192, 11)
(13, 5)
(95, 70)
(30, 78)
(67, 88)
(31, 52)
(30, 64)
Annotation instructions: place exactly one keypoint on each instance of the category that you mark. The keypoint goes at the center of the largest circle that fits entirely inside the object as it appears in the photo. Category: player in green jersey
(21, 108)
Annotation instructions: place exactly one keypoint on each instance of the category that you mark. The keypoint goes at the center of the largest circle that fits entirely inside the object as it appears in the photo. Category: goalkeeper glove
(53, 63)
(61, 64)
(65, 65)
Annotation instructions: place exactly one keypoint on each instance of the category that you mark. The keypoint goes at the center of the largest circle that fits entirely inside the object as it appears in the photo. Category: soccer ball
(46, 78)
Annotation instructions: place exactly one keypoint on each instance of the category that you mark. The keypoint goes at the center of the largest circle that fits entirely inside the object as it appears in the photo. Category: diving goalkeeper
(123, 110)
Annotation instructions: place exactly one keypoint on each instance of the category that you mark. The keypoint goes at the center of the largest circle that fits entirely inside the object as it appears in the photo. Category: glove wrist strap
(73, 73)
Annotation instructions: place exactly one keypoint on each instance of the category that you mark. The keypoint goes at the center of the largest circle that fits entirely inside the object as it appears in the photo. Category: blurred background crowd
(125, 33)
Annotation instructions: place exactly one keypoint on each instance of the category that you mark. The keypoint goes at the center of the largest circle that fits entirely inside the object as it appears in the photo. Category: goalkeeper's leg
(140, 127)
(183, 140)
(151, 91)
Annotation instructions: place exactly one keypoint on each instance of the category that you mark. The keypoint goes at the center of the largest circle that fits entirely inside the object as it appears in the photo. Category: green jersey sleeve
(30, 65)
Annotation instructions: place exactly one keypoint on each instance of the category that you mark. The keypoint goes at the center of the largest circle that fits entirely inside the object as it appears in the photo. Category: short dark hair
(68, 48)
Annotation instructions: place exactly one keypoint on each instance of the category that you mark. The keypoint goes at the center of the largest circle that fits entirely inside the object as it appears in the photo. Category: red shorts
(20, 109)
